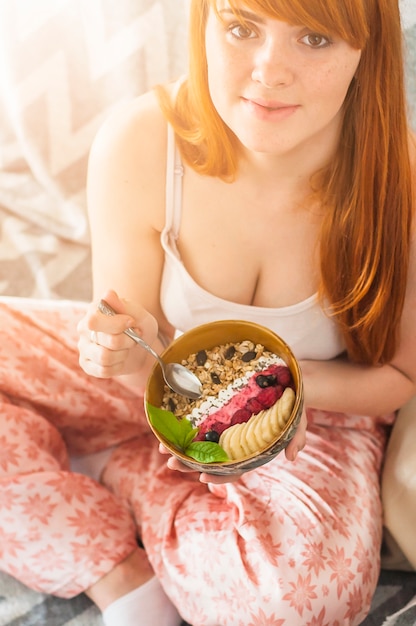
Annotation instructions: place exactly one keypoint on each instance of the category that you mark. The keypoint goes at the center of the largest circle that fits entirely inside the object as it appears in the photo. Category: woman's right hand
(105, 350)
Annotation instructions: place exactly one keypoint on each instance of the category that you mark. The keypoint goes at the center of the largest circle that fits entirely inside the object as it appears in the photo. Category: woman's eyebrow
(254, 17)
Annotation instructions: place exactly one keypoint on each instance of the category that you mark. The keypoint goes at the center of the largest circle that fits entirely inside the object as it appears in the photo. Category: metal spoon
(179, 378)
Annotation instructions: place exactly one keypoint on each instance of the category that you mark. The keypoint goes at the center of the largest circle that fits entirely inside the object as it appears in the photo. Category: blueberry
(212, 436)
(266, 381)
(262, 381)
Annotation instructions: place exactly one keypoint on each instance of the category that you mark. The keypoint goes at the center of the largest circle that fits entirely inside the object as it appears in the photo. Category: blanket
(394, 604)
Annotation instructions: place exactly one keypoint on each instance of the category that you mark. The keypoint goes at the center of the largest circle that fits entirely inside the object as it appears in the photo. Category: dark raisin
(172, 405)
(248, 356)
(201, 357)
(212, 436)
(229, 353)
(215, 378)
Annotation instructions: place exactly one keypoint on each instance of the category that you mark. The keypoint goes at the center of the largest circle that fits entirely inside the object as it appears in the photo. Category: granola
(222, 370)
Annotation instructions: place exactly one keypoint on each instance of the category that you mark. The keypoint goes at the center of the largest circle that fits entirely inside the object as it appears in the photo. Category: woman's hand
(175, 464)
(105, 350)
(298, 442)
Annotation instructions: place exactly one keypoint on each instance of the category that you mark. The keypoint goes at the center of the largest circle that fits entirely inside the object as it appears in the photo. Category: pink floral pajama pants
(289, 544)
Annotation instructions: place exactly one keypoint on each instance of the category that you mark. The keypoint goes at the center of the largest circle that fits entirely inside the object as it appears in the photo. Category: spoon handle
(105, 308)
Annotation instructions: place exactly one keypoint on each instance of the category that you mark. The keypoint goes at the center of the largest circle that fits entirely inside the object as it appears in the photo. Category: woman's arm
(126, 207)
(345, 387)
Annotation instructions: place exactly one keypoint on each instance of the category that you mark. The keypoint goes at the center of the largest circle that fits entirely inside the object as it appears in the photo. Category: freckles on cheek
(334, 82)
(344, 72)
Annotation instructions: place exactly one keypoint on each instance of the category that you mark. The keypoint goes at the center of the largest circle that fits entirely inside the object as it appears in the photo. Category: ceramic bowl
(206, 337)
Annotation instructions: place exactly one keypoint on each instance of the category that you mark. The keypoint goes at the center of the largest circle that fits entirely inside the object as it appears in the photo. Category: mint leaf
(178, 432)
(181, 434)
(189, 438)
(206, 452)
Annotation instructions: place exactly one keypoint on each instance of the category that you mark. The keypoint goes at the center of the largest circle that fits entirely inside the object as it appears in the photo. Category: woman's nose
(272, 65)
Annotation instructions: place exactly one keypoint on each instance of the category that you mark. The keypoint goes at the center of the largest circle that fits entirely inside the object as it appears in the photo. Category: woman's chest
(250, 250)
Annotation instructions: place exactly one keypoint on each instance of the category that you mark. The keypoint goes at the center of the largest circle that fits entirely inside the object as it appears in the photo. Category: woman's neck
(294, 168)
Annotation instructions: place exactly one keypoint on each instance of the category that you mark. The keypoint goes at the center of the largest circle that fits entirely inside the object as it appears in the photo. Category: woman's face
(277, 86)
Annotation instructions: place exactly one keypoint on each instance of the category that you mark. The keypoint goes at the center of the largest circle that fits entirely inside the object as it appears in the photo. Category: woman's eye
(315, 40)
(240, 31)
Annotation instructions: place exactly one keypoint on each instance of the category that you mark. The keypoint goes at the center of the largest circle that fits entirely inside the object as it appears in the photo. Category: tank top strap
(174, 177)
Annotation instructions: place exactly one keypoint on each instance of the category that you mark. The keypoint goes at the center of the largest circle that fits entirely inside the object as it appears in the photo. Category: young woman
(273, 183)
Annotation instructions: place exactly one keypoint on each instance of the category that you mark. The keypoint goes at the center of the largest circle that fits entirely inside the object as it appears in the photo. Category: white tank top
(304, 326)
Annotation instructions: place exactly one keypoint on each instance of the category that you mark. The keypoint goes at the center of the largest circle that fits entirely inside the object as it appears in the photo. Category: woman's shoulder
(133, 129)
(127, 165)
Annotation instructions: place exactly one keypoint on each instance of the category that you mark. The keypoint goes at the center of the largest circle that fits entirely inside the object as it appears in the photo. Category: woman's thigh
(59, 531)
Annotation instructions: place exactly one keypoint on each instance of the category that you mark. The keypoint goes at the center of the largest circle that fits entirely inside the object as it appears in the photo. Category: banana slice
(242, 440)
(285, 406)
(259, 434)
(225, 439)
(236, 449)
(268, 423)
(248, 441)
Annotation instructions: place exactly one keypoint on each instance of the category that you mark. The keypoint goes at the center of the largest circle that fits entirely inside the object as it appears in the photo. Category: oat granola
(222, 370)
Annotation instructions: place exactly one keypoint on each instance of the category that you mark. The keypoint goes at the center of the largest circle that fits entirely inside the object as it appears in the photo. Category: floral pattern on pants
(288, 544)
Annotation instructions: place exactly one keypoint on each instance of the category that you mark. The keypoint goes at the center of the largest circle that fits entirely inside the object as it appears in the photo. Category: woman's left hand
(298, 442)
(175, 464)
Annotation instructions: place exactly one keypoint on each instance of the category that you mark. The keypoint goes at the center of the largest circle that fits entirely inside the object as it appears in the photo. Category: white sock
(147, 605)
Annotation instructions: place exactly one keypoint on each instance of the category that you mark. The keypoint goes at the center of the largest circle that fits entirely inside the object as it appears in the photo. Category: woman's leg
(399, 482)
(60, 531)
(287, 543)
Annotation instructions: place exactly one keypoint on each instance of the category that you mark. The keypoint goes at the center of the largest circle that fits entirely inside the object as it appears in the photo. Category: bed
(64, 66)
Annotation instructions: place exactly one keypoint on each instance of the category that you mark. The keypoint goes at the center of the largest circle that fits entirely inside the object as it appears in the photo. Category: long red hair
(367, 188)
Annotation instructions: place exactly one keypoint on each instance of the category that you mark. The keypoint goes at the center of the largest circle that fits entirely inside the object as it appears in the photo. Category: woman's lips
(270, 110)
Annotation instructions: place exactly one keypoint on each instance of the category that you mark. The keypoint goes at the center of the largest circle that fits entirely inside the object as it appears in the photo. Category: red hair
(366, 190)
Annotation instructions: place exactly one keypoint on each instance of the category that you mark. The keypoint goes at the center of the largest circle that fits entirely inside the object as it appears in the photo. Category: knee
(398, 485)
(30, 443)
(399, 471)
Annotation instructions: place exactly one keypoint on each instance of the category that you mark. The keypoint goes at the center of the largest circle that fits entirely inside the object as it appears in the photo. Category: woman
(288, 201)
